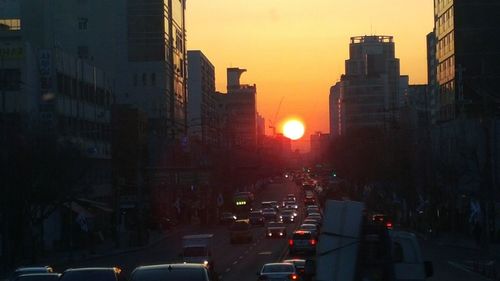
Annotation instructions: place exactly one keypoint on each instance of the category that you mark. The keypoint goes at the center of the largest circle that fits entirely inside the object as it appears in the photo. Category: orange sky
(296, 49)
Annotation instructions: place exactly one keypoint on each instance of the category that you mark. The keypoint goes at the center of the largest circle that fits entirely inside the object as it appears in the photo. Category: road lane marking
(228, 269)
(459, 266)
(235, 262)
(264, 253)
(241, 257)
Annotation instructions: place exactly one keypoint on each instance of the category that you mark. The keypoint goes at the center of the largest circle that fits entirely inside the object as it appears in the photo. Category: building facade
(202, 109)
(241, 110)
(369, 93)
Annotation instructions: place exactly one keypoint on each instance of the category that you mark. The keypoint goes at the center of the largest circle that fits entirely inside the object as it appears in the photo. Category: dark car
(92, 273)
(29, 270)
(227, 218)
(302, 241)
(240, 231)
(38, 277)
(270, 214)
(276, 230)
(299, 265)
(173, 272)
(288, 216)
(382, 219)
(256, 218)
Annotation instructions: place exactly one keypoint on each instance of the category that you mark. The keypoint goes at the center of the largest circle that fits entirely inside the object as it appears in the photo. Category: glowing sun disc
(293, 129)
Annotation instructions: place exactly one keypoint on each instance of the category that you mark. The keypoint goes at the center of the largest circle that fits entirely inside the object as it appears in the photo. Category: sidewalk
(485, 264)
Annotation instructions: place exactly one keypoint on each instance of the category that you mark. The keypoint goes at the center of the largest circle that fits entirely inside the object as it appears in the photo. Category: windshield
(195, 252)
(278, 268)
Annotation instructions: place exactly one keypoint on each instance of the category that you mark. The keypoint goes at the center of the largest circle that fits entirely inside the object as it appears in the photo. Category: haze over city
(296, 49)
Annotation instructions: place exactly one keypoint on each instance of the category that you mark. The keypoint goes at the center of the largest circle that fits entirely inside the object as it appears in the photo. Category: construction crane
(271, 122)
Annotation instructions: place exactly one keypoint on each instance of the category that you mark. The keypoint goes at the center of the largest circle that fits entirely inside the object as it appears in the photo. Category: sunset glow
(293, 129)
(297, 49)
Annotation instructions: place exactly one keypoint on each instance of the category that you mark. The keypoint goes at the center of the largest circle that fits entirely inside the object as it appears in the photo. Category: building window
(153, 79)
(144, 78)
(10, 24)
(83, 52)
(82, 23)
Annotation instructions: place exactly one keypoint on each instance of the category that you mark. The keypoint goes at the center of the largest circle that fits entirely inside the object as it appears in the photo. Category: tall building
(335, 118)
(319, 146)
(369, 93)
(202, 109)
(261, 128)
(468, 60)
(241, 108)
(432, 91)
(140, 45)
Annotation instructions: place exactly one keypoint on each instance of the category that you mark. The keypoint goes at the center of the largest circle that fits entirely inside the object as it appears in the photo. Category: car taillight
(313, 241)
(290, 242)
(388, 225)
(294, 277)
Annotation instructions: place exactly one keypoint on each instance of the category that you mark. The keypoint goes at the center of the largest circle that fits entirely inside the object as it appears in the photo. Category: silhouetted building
(369, 94)
(432, 91)
(319, 146)
(241, 110)
(202, 109)
(335, 112)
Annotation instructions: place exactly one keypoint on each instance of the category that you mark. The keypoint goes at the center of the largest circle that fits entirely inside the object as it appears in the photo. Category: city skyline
(263, 37)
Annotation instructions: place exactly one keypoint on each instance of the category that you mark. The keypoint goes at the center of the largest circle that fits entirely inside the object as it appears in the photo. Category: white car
(278, 271)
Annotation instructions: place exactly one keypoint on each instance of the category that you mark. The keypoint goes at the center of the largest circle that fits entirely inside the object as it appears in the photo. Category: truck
(198, 249)
(353, 248)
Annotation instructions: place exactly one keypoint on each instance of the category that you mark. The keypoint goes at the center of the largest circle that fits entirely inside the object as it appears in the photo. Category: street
(449, 261)
(232, 261)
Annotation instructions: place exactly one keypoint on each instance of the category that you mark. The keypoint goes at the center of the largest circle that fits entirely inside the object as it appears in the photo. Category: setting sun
(293, 129)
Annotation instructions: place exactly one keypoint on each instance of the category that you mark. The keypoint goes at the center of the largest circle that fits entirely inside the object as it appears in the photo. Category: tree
(40, 175)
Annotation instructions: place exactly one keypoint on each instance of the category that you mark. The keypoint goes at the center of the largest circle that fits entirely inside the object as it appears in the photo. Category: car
(291, 196)
(93, 273)
(312, 209)
(256, 217)
(227, 218)
(278, 271)
(309, 201)
(318, 219)
(275, 230)
(31, 269)
(38, 277)
(382, 219)
(302, 241)
(311, 221)
(275, 205)
(184, 271)
(288, 216)
(270, 214)
(245, 194)
(299, 265)
(240, 231)
(313, 228)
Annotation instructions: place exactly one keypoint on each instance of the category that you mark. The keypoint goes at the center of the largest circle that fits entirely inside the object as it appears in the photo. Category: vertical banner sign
(46, 91)
(45, 64)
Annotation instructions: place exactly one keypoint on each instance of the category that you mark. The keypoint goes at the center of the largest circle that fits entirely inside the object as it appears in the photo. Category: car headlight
(281, 233)
(205, 263)
(269, 234)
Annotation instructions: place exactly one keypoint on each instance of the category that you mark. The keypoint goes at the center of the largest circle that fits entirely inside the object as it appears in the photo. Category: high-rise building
(432, 91)
(202, 109)
(369, 94)
(319, 146)
(241, 110)
(335, 117)
(468, 57)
